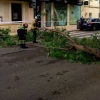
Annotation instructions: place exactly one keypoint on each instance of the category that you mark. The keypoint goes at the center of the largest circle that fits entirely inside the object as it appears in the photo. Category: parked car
(90, 24)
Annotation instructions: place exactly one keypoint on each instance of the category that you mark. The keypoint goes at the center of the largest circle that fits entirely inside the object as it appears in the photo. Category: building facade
(15, 12)
(54, 13)
(59, 14)
(92, 10)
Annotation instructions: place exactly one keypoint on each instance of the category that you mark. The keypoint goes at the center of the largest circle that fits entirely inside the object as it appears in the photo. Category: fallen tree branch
(94, 51)
(63, 48)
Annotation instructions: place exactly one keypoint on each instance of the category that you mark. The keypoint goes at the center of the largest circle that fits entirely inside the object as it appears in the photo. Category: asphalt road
(31, 75)
(84, 33)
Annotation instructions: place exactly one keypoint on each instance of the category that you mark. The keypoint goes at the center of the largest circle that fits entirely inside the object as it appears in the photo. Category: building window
(75, 12)
(48, 14)
(60, 14)
(16, 10)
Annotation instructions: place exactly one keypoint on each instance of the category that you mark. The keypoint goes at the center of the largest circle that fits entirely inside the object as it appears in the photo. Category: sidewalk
(69, 28)
(31, 46)
(72, 28)
(14, 49)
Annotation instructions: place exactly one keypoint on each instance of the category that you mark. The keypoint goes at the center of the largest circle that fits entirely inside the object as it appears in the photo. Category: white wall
(93, 8)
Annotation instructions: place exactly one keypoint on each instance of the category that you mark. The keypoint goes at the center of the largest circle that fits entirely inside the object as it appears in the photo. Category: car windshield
(86, 20)
(89, 20)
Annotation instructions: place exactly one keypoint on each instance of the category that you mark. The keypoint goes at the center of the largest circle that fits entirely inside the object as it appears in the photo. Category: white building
(91, 10)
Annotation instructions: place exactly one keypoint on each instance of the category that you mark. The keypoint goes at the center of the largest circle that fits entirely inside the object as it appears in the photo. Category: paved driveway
(31, 75)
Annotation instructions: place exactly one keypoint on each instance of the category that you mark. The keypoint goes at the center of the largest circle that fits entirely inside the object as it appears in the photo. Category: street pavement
(29, 74)
(15, 49)
(84, 33)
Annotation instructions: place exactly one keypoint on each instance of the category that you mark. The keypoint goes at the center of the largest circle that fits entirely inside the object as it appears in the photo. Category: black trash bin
(78, 24)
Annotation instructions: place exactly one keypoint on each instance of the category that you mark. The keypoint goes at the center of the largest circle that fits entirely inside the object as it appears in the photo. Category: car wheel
(81, 28)
(94, 28)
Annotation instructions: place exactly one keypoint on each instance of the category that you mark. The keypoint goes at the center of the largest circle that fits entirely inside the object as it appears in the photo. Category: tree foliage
(60, 44)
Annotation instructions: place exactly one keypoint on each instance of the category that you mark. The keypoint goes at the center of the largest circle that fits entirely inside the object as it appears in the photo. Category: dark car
(90, 23)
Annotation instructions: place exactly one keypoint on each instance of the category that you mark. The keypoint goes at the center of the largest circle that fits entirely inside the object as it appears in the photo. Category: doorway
(90, 15)
(16, 10)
